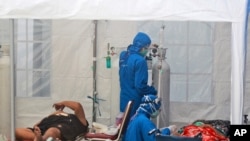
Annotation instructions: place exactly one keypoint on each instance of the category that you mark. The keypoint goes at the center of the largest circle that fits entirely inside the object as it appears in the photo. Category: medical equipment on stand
(96, 101)
(108, 58)
(161, 80)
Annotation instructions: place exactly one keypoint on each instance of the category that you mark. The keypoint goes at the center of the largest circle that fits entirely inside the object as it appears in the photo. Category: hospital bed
(176, 138)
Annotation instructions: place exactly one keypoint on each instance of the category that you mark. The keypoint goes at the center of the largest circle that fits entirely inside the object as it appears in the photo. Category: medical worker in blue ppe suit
(133, 73)
(140, 125)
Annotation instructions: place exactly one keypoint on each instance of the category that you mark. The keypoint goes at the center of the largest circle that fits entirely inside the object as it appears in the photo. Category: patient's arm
(75, 106)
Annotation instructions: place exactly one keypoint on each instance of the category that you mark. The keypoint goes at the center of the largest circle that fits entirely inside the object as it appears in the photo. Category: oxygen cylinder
(5, 98)
(161, 81)
(150, 72)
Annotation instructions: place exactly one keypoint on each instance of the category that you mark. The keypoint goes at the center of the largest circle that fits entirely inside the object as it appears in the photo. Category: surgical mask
(144, 51)
(155, 114)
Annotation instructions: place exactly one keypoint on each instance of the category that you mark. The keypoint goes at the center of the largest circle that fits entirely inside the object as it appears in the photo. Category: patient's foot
(38, 135)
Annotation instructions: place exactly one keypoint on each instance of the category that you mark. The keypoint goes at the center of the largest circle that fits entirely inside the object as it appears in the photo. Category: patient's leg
(38, 135)
(51, 132)
(24, 134)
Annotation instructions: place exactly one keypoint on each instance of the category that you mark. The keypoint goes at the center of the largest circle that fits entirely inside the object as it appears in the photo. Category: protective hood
(150, 104)
(140, 40)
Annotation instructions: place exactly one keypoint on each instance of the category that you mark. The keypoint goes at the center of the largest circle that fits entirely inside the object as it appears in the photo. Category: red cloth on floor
(207, 132)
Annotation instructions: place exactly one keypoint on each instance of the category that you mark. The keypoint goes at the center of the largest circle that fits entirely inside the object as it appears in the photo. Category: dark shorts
(69, 126)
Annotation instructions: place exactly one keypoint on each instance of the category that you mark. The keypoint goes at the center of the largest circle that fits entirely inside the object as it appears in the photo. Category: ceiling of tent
(202, 10)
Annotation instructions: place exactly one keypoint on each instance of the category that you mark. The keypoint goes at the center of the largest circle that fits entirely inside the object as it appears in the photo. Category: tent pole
(94, 71)
(237, 72)
(12, 81)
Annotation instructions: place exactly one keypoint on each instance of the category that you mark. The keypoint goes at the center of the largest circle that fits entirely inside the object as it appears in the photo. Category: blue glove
(165, 131)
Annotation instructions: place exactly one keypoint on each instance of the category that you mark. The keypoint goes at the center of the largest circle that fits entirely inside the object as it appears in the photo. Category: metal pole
(12, 81)
(94, 72)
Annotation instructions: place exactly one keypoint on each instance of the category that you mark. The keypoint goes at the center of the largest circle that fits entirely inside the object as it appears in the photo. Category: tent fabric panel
(202, 10)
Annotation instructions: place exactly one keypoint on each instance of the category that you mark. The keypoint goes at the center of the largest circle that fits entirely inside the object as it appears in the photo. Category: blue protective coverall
(133, 73)
(139, 127)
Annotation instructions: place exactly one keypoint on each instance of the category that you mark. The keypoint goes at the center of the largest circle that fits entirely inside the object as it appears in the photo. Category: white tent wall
(117, 34)
(232, 11)
(246, 110)
(5, 97)
(71, 67)
(72, 72)
(182, 113)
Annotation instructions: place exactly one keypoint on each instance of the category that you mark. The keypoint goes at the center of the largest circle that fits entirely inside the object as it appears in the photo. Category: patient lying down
(58, 126)
(38, 134)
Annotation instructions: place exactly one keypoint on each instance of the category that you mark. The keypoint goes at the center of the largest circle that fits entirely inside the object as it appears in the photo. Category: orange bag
(207, 133)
